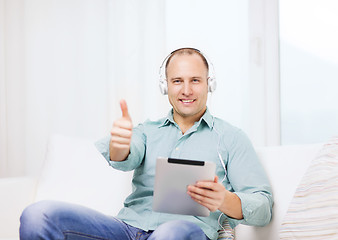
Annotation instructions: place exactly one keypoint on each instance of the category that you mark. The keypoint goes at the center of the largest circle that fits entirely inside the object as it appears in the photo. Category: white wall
(221, 31)
(67, 63)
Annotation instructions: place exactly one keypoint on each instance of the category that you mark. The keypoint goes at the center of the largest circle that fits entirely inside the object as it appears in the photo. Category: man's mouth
(187, 100)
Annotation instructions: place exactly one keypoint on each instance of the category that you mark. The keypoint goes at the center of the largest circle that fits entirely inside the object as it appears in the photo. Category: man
(189, 131)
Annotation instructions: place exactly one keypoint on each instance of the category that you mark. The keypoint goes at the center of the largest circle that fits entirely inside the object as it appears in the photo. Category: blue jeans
(58, 220)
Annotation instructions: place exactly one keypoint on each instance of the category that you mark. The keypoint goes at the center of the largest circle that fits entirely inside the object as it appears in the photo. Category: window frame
(265, 72)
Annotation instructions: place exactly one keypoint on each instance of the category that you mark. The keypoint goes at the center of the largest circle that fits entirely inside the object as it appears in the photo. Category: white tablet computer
(171, 180)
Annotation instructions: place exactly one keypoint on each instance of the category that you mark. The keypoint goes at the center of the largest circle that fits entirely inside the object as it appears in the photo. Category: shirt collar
(207, 118)
(168, 119)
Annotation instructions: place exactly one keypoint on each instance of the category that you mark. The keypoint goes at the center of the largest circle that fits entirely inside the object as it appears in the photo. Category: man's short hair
(186, 51)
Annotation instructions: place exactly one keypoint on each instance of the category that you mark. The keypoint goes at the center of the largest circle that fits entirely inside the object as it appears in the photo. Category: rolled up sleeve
(249, 182)
(136, 155)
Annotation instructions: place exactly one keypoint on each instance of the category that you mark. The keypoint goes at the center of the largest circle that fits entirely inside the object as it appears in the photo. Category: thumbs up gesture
(121, 133)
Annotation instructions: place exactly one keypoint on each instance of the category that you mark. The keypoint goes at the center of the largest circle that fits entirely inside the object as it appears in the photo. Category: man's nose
(187, 88)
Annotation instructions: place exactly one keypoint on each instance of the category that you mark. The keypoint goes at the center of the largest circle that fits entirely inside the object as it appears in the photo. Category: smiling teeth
(187, 101)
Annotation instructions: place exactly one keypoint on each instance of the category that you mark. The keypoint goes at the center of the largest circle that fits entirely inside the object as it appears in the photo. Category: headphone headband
(162, 72)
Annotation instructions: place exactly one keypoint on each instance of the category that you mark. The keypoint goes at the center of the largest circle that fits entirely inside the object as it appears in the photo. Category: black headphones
(211, 76)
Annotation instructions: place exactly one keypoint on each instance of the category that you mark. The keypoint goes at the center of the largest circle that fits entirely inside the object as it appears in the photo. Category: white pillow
(76, 172)
(313, 211)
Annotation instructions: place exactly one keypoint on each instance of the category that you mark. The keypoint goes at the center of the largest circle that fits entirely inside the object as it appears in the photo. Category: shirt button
(177, 149)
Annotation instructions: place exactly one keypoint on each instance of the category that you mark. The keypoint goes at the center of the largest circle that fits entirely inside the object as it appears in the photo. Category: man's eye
(195, 80)
(176, 81)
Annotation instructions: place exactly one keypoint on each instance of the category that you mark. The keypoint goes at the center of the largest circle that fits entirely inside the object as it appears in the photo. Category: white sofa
(75, 172)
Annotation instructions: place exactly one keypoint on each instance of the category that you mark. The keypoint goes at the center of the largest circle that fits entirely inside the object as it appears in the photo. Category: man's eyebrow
(175, 78)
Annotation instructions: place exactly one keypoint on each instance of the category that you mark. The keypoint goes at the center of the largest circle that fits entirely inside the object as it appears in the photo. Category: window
(308, 70)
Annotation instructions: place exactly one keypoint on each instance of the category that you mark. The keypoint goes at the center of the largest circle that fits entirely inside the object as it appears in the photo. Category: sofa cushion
(226, 232)
(285, 166)
(313, 211)
(74, 171)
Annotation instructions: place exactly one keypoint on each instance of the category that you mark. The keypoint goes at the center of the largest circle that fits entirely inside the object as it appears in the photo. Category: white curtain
(65, 64)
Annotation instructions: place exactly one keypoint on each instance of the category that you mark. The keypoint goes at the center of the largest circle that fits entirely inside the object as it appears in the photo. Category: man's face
(187, 86)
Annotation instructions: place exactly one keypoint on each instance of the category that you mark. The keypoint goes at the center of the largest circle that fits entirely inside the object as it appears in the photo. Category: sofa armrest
(16, 193)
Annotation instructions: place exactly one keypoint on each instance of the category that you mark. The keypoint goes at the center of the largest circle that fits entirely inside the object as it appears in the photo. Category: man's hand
(213, 196)
(121, 135)
(207, 193)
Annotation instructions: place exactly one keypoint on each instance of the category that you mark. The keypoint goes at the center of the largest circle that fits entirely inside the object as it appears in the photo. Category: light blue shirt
(203, 141)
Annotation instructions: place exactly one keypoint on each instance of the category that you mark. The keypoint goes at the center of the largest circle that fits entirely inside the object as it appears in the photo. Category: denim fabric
(59, 220)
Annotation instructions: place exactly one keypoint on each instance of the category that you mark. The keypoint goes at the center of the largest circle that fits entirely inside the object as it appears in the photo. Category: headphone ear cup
(163, 87)
(211, 84)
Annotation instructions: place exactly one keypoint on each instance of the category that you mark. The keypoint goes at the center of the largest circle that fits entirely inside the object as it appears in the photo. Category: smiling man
(189, 131)
(187, 76)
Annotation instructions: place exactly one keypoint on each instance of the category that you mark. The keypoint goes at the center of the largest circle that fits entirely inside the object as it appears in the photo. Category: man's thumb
(124, 109)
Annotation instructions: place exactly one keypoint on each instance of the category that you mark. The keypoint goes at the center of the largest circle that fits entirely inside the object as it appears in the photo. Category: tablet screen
(171, 180)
